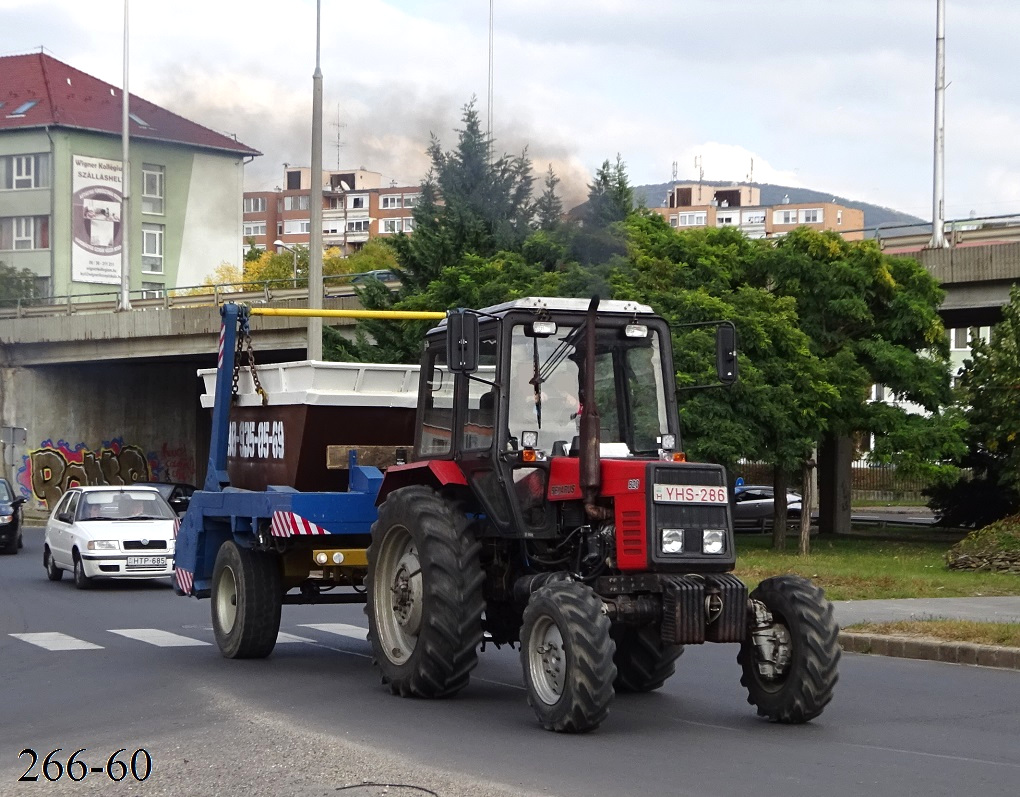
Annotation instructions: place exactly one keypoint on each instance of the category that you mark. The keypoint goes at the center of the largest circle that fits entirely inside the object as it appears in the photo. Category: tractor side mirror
(462, 341)
(726, 353)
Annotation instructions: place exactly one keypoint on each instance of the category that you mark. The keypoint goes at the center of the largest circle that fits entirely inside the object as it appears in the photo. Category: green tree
(610, 197)
(871, 319)
(776, 410)
(470, 204)
(15, 284)
(549, 207)
(988, 395)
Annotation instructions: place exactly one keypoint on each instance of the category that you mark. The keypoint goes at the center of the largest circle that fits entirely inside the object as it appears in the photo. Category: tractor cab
(517, 407)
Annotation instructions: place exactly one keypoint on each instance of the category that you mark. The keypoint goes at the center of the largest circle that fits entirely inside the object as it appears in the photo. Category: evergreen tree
(15, 284)
(549, 207)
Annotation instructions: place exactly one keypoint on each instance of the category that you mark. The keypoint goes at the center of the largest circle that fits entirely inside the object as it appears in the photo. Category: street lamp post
(281, 245)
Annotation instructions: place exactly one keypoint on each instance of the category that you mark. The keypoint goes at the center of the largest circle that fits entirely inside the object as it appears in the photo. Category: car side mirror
(64, 517)
(19, 501)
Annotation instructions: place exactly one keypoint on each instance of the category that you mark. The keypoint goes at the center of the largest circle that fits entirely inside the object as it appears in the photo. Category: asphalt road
(313, 718)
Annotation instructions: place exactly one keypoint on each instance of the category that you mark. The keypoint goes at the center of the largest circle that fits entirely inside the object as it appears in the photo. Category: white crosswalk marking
(154, 636)
(53, 640)
(342, 629)
(283, 638)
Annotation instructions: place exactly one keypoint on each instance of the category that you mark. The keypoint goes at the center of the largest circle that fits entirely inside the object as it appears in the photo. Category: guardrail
(188, 296)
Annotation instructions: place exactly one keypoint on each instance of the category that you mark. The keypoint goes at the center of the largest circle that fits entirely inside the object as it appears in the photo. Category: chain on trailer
(244, 340)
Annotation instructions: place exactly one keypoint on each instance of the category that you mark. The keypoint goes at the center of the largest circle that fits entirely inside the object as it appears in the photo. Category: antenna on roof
(674, 171)
(340, 127)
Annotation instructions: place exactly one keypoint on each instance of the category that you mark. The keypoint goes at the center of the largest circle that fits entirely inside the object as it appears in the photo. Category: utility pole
(938, 213)
(314, 351)
(125, 185)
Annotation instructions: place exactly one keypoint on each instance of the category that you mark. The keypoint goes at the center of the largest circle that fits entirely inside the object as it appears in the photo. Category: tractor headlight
(672, 541)
(321, 558)
(529, 439)
(713, 541)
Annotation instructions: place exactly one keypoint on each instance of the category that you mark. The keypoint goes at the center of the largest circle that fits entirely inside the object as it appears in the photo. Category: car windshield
(124, 505)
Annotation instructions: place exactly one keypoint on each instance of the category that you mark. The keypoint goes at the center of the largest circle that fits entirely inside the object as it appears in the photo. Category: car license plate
(689, 494)
(146, 561)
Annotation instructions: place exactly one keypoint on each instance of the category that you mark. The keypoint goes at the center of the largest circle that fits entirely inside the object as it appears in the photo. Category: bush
(995, 547)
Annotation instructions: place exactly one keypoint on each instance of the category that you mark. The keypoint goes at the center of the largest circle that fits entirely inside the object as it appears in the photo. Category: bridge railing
(185, 296)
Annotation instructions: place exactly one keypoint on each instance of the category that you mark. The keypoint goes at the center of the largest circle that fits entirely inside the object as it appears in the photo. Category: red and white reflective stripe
(287, 524)
(177, 526)
(185, 580)
(219, 356)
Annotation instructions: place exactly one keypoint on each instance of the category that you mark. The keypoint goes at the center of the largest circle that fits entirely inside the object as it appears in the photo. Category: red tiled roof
(66, 97)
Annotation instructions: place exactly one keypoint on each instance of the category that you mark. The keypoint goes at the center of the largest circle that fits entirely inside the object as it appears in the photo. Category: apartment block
(697, 205)
(356, 207)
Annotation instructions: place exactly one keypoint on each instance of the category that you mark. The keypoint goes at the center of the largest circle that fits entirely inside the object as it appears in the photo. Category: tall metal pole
(488, 126)
(125, 205)
(938, 214)
(314, 351)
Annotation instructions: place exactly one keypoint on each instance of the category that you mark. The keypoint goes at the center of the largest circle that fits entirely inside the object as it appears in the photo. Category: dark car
(10, 519)
(754, 506)
(177, 494)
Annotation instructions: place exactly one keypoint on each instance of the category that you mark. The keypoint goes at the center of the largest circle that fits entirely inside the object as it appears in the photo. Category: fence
(868, 482)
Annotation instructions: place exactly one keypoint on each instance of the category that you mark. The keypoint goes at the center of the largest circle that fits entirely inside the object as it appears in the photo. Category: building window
(254, 228)
(152, 189)
(674, 220)
(361, 225)
(784, 217)
(25, 171)
(25, 232)
(391, 225)
(723, 221)
(152, 290)
(390, 201)
(152, 248)
(693, 219)
(357, 202)
(754, 218)
(839, 217)
(254, 204)
(410, 200)
(408, 224)
(296, 226)
(878, 392)
(295, 202)
(811, 216)
(293, 181)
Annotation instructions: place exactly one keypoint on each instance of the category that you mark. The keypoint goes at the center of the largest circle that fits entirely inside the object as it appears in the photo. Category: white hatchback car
(110, 532)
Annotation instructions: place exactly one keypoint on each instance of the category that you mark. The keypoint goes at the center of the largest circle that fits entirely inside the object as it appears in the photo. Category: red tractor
(548, 505)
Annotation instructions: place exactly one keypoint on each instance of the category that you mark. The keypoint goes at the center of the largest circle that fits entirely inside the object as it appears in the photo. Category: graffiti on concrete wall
(51, 469)
(171, 464)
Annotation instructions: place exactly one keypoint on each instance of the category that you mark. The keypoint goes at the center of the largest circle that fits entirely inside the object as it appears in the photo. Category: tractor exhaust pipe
(590, 465)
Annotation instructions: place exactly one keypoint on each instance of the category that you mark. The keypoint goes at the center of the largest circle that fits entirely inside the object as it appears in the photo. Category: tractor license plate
(146, 561)
(689, 494)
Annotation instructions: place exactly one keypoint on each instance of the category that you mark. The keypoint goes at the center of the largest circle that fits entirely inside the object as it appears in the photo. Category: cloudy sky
(838, 97)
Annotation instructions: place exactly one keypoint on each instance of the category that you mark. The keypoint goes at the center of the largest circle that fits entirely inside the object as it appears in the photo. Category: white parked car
(110, 532)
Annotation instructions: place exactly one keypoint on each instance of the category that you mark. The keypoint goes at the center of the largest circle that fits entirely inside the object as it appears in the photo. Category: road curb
(931, 650)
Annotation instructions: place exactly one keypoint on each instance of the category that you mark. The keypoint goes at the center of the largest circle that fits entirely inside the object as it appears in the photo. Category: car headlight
(672, 540)
(713, 541)
(103, 545)
(6, 518)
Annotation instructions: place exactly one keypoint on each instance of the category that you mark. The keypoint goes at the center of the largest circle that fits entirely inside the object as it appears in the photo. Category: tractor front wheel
(567, 656)
(790, 655)
(424, 601)
(643, 662)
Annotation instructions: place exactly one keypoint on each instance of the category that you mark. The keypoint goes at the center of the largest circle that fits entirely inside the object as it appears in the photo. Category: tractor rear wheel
(247, 599)
(424, 587)
(789, 666)
(567, 656)
(643, 663)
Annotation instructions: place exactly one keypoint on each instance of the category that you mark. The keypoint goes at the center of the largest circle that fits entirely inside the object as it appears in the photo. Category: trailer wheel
(247, 596)
(789, 668)
(424, 602)
(567, 656)
(643, 663)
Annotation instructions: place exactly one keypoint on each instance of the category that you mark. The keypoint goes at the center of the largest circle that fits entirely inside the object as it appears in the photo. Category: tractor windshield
(545, 394)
